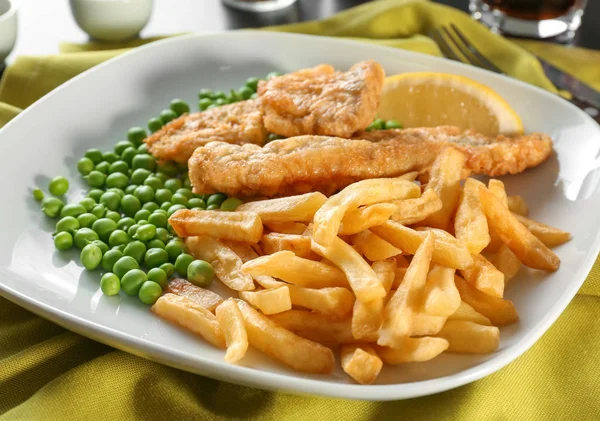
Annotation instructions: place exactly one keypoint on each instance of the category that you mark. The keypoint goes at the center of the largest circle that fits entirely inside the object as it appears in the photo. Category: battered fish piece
(321, 101)
(240, 122)
(318, 163)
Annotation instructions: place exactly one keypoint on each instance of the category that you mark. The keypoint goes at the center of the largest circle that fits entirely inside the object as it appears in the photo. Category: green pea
(124, 265)
(174, 209)
(91, 256)
(85, 166)
(179, 199)
(63, 241)
(162, 235)
(95, 178)
(95, 194)
(220, 101)
(159, 276)
(252, 83)
(150, 206)
(102, 167)
(204, 103)
(115, 216)
(139, 175)
(94, 155)
(162, 176)
(196, 203)
(72, 209)
(393, 124)
(185, 192)
(216, 199)
(99, 211)
(144, 193)
(68, 224)
(246, 92)
(234, 97)
(88, 203)
(211, 106)
(254, 96)
(178, 106)
(213, 207)
(230, 204)
(167, 115)
(149, 292)
(168, 268)
(58, 186)
(142, 149)
(186, 182)
(377, 124)
(52, 206)
(174, 248)
(38, 194)
(145, 232)
(117, 190)
(273, 136)
(110, 258)
(128, 155)
(182, 262)
(130, 204)
(101, 245)
(200, 273)
(130, 189)
(271, 75)
(142, 214)
(136, 135)
(205, 93)
(110, 284)
(163, 195)
(135, 249)
(104, 227)
(119, 166)
(156, 244)
(155, 124)
(171, 230)
(110, 157)
(121, 146)
(173, 184)
(155, 257)
(166, 205)
(158, 219)
(118, 237)
(143, 161)
(111, 200)
(132, 281)
(117, 180)
(154, 182)
(86, 220)
(125, 223)
(218, 94)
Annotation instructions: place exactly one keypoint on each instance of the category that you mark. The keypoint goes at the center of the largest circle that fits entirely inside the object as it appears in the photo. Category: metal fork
(455, 46)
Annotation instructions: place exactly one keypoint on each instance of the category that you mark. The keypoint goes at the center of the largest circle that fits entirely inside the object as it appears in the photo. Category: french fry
(358, 220)
(191, 316)
(398, 277)
(333, 301)
(203, 297)
(367, 317)
(269, 301)
(496, 187)
(231, 323)
(294, 208)
(373, 247)
(409, 176)
(298, 353)
(468, 313)
(470, 338)
(243, 250)
(413, 350)
(506, 262)
(448, 251)
(328, 218)
(424, 324)
(234, 226)
(501, 312)
(360, 276)
(518, 205)
(441, 296)
(316, 326)
(527, 247)
(444, 179)
(411, 211)
(401, 261)
(548, 235)
(360, 362)
(287, 227)
(398, 312)
(296, 270)
(484, 276)
(470, 224)
(225, 262)
(298, 244)
(495, 241)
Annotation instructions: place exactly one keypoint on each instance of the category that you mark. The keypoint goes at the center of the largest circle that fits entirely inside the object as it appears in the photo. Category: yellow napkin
(48, 373)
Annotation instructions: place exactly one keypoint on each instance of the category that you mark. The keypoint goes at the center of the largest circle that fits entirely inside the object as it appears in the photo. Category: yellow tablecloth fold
(47, 373)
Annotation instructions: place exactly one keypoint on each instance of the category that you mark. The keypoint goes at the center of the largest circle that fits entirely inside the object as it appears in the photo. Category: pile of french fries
(386, 271)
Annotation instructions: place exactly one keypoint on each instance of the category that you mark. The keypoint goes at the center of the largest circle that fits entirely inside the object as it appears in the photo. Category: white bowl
(111, 20)
(8, 27)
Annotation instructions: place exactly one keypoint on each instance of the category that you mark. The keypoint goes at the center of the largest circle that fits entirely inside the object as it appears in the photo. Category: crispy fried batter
(321, 101)
(240, 122)
(326, 164)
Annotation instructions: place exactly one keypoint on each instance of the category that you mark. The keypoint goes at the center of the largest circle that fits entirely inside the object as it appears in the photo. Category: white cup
(8, 27)
(111, 20)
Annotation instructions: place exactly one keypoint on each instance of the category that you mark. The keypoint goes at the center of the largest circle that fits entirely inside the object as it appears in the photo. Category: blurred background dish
(8, 28)
(259, 5)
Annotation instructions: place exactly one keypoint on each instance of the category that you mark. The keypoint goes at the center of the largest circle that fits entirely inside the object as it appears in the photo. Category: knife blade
(568, 82)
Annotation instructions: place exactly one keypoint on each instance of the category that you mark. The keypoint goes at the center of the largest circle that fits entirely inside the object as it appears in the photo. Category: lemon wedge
(427, 99)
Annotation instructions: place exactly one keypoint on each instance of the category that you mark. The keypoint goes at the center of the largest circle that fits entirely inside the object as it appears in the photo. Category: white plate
(95, 110)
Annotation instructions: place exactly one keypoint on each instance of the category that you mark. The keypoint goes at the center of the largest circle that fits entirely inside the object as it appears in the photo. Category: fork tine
(464, 52)
(446, 50)
(482, 59)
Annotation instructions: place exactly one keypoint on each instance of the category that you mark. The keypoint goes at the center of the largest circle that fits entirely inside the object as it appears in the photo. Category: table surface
(44, 24)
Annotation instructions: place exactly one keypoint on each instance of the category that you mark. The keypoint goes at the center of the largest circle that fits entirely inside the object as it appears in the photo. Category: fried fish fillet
(239, 123)
(318, 163)
(321, 101)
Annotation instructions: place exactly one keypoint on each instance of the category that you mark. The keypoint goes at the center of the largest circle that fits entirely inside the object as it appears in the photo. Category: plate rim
(254, 377)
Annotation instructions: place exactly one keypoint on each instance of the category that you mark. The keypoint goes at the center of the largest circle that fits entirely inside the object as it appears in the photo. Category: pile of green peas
(379, 124)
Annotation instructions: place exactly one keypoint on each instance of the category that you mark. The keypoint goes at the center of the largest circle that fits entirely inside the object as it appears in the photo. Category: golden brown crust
(240, 122)
(321, 101)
